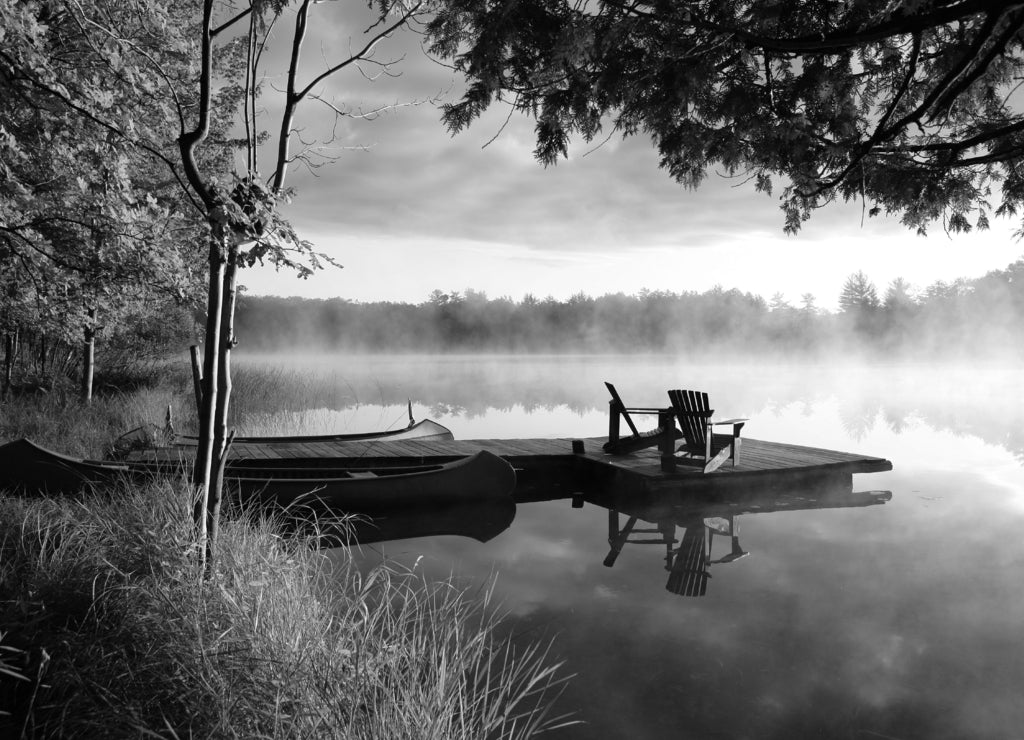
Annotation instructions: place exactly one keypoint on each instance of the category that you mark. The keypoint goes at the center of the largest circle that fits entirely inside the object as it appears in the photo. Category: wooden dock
(548, 468)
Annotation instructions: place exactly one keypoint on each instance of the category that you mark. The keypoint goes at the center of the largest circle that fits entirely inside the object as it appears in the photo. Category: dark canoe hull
(478, 478)
(27, 468)
(422, 430)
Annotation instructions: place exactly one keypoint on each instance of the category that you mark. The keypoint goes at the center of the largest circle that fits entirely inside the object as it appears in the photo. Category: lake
(901, 619)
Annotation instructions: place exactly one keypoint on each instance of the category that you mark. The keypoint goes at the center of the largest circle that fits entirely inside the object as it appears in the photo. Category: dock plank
(759, 459)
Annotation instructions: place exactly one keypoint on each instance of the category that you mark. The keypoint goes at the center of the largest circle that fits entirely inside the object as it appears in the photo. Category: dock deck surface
(537, 458)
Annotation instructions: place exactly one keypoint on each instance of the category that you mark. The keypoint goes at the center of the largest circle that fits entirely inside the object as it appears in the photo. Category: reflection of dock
(548, 468)
(655, 519)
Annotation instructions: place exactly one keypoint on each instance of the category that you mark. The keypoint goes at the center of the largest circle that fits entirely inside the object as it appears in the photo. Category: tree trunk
(88, 356)
(220, 445)
(197, 378)
(205, 447)
(42, 355)
(8, 363)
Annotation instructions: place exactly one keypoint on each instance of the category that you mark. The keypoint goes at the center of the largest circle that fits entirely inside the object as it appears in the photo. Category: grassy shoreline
(114, 632)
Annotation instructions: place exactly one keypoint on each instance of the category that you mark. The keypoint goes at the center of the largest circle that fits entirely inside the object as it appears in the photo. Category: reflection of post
(668, 533)
(616, 538)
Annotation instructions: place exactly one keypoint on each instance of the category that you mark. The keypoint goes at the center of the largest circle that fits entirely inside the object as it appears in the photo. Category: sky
(407, 208)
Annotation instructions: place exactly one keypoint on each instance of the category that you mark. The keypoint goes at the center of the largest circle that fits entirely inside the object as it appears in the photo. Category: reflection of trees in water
(897, 417)
(859, 418)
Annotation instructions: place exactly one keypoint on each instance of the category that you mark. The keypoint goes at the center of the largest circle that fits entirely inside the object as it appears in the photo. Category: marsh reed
(110, 628)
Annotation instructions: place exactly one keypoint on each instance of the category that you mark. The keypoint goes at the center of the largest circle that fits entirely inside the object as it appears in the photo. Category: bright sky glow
(420, 210)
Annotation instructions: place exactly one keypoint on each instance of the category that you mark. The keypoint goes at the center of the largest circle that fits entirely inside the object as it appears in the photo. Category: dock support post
(667, 442)
(613, 420)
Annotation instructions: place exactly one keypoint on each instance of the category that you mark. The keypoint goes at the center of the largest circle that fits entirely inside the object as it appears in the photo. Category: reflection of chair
(688, 565)
(665, 434)
(725, 527)
(694, 415)
(689, 573)
(619, 538)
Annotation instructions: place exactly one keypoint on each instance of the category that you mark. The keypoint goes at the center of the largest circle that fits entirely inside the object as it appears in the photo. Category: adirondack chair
(664, 434)
(694, 416)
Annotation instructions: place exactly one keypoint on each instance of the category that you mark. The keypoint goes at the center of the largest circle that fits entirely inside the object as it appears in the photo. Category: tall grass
(279, 642)
(60, 421)
(109, 628)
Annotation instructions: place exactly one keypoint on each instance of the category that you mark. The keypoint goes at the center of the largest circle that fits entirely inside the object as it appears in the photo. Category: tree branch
(190, 140)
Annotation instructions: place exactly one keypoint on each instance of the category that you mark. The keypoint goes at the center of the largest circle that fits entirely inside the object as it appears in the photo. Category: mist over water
(900, 619)
(961, 320)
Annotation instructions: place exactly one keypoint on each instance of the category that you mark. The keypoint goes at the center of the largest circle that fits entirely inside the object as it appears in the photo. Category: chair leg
(714, 463)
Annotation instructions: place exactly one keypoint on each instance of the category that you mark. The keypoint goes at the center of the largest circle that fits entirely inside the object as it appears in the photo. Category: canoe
(26, 467)
(422, 430)
(477, 478)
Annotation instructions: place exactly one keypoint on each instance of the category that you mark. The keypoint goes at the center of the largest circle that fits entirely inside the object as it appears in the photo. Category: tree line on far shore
(964, 317)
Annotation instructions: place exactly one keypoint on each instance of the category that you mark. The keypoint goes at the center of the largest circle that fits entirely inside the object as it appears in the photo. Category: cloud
(406, 196)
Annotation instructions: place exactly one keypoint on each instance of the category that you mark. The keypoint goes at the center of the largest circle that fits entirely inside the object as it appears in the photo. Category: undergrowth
(108, 627)
(111, 631)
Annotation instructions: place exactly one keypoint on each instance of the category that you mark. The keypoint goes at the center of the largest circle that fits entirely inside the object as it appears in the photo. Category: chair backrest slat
(692, 410)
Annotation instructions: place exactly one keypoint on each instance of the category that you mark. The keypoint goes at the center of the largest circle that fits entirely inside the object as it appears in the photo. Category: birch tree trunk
(220, 428)
(205, 451)
(8, 364)
(88, 355)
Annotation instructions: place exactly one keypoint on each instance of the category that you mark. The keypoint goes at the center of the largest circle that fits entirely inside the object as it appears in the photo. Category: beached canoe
(422, 430)
(474, 479)
(26, 467)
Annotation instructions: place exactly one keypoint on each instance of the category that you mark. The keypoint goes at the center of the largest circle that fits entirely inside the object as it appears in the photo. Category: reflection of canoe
(480, 477)
(479, 521)
(421, 430)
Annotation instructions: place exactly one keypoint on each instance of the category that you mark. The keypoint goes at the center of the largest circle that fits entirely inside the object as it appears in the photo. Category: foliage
(913, 108)
(94, 228)
(859, 294)
(111, 629)
(978, 316)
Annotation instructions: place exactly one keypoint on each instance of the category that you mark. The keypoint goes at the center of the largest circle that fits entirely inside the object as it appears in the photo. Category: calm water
(900, 620)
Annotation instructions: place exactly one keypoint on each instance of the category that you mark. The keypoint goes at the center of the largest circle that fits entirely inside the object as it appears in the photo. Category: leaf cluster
(911, 107)
(92, 214)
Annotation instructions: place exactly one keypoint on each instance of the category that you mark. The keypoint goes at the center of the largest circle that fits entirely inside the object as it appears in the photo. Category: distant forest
(962, 318)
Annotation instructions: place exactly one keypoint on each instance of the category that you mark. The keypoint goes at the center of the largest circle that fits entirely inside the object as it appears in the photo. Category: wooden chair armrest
(729, 421)
(644, 410)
